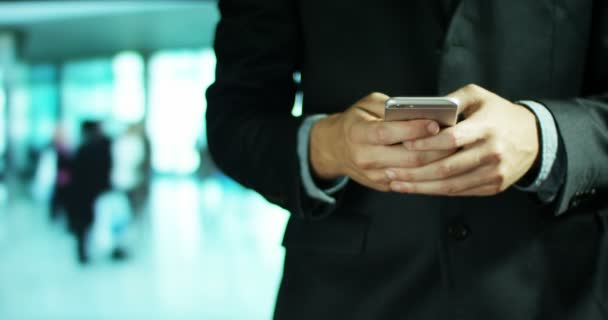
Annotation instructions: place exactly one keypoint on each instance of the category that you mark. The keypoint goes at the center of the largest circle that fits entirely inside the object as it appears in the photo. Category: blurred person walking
(116, 208)
(128, 171)
(90, 178)
(63, 177)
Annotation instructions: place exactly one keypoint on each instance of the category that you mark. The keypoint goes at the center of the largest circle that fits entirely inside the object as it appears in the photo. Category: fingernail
(433, 127)
(391, 174)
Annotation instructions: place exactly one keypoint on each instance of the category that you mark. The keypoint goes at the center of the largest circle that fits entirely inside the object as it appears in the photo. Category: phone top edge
(394, 102)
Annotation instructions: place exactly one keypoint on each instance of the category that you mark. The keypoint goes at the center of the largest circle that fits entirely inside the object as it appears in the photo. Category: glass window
(43, 99)
(87, 92)
(110, 89)
(18, 121)
(176, 120)
(129, 94)
(2, 123)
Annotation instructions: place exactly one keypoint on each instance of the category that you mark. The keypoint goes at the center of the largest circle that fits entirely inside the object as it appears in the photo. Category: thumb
(469, 98)
(374, 104)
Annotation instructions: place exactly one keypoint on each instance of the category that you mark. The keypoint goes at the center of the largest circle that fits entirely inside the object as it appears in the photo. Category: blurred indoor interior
(193, 243)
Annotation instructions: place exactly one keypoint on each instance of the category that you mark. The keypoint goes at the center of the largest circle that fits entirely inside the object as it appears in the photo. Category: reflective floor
(201, 250)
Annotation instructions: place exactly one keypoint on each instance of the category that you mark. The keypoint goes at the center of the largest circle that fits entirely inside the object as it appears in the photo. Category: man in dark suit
(91, 177)
(502, 216)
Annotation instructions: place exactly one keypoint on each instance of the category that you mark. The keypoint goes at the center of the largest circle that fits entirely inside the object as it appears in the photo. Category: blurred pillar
(146, 58)
(3, 125)
(145, 55)
(59, 85)
(8, 59)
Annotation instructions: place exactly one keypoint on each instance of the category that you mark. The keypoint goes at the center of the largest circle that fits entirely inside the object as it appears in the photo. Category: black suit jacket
(379, 255)
(90, 178)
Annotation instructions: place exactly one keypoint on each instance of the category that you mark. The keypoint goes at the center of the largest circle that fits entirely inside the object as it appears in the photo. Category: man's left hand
(498, 142)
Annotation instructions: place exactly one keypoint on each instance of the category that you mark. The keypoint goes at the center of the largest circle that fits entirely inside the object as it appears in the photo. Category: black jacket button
(458, 231)
(574, 203)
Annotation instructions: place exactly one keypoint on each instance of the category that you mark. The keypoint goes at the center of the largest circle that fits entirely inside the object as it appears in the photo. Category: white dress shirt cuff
(548, 152)
(311, 188)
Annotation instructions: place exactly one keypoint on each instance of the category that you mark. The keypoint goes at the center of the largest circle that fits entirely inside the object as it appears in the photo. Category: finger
(464, 133)
(487, 190)
(393, 132)
(457, 164)
(374, 179)
(469, 98)
(475, 178)
(396, 156)
(374, 104)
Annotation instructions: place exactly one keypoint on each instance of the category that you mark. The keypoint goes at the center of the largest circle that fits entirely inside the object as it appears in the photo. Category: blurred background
(171, 237)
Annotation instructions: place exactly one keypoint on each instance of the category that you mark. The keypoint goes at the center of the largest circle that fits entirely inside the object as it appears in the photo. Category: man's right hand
(359, 144)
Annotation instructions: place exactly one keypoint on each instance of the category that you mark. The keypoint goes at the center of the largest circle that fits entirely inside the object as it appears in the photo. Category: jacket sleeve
(582, 123)
(252, 135)
(583, 127)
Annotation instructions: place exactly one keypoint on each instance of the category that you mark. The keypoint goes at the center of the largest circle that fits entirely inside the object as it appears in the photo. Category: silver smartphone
(444, 110)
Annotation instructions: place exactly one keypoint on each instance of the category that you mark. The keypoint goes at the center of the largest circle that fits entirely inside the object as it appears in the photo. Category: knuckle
(454, 139)
(365, 164)
(405, 175)
(496, 189)
(413, 189)
(448, 188)
(377, 178)
(382, 134)
(490, 132)
(494, 157)
(496, 154)
(360, 160)
(471, 87)
(499, 177)
(445, 170)
(415, 160)
(419, 159)
(383, 188)
(351, 133)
